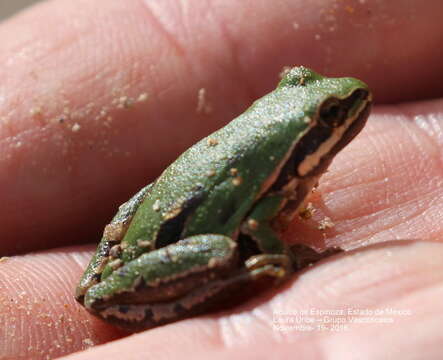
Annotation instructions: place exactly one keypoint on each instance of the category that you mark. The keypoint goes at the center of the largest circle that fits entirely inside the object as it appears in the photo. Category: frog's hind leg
(170, 283)
(112, 236)
(195, 275)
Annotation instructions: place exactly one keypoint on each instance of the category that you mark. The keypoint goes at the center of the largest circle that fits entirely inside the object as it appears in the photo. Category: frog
(209, 227)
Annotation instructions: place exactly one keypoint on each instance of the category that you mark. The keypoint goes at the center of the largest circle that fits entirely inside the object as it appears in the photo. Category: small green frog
(209, 225)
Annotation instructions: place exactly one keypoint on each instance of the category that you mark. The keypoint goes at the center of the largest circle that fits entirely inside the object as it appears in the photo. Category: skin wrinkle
(356, 188)
(36, 120)
(404, 297)
(227, 41)
(12, 139)
(380, 253)
(53, 307)
(433, 119)
(234, 57)
(392, 201)
(380, 158)
(235, 327)
(367, 288)
(232, 329)
(56, 47)
(350, 178)
(382, 164)
(435, 145)
(25, 306)
(375, 224)
(339, 190)
(173, 40)
(413, 132)
(380, 225)
(165, 33)
(338, 215)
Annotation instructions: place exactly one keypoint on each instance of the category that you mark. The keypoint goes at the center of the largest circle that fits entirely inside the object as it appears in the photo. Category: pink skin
(61, 181)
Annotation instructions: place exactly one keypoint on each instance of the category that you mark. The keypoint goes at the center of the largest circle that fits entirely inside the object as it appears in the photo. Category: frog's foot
(277, 266)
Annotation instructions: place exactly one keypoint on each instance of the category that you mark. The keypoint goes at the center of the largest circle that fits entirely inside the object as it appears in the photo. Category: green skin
(209, 224)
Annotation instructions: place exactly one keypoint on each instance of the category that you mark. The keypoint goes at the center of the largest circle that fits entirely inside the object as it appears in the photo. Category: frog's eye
(332, 113)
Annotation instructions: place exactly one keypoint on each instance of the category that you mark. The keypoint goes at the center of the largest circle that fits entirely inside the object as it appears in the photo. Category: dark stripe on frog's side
(171, 229)
(319, 133)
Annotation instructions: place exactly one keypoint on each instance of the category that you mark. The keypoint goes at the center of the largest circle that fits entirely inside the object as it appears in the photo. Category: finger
(94, 110)
(385, 185)
(380, 289)
(39, 317)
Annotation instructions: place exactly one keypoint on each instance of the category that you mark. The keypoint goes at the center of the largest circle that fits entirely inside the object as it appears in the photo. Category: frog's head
(335, 111)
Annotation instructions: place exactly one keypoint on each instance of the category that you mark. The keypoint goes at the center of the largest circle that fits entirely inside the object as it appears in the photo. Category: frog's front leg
(276, 259)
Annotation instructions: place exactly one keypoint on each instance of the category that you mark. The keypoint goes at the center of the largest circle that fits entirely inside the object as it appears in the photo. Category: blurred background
(10, 7)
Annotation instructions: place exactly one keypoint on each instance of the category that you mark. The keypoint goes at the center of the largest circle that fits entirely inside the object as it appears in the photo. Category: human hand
(93, 91)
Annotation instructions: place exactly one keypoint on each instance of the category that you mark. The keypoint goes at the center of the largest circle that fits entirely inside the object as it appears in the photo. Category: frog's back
(211, 187)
